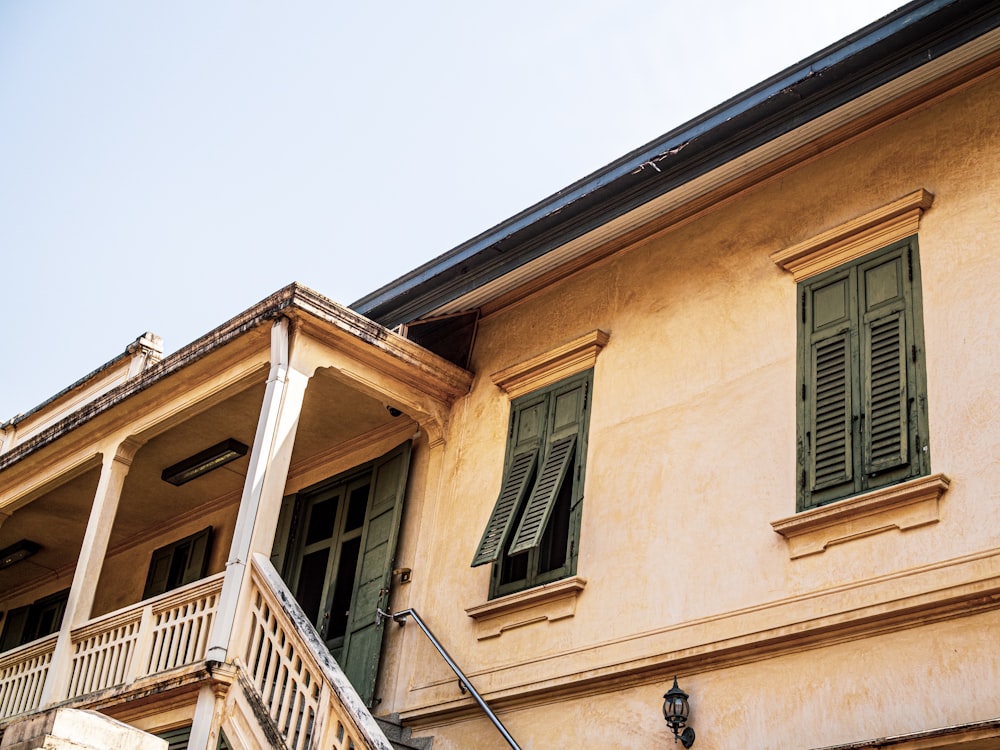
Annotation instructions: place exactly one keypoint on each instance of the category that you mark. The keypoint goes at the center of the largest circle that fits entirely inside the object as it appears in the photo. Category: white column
(265, 482)
(80, 603)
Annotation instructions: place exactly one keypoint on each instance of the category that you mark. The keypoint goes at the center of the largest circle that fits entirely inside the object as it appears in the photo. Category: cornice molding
(852, 239)
(575, 356)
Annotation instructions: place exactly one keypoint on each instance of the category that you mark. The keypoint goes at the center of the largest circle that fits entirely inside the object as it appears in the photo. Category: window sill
(553, 601)
(901, 506)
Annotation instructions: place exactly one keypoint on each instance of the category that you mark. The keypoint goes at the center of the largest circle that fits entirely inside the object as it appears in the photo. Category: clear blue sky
(165, 165)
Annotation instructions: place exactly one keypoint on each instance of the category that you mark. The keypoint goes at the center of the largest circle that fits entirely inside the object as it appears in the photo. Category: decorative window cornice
(855, 238)
(545, 369)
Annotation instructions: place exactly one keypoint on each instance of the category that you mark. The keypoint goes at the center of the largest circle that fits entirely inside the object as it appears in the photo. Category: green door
(341, 541)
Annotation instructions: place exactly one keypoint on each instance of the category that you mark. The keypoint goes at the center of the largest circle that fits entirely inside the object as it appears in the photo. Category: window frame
(195, 565)
(854, 332)
(555, 461)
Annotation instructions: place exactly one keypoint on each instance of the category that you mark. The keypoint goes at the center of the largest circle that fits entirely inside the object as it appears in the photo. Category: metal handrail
(400, 617)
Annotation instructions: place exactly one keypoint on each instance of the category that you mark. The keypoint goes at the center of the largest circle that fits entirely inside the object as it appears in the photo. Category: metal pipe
(400, 617)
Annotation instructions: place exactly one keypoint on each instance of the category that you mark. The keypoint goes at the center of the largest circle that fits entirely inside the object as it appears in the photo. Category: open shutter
(551, 477)
(566, 417)
(512, 492)
(363, 638)
(527, 426)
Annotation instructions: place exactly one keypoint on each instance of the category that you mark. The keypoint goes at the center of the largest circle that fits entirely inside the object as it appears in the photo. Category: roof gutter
(881, 52)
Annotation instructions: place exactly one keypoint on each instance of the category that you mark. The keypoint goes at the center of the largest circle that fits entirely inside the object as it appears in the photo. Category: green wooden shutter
(862, 416)
(543, 496)
(512, 493)
(565, 420)
(885, 292)
(363, 639)
(527, 426)
(828, 366)
(831, 447)
(885, 394)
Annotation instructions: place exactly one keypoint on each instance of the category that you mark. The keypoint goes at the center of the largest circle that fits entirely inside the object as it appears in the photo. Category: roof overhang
(706, 159)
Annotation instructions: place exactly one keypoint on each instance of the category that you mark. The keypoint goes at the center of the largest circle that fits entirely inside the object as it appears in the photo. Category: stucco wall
(692, 455)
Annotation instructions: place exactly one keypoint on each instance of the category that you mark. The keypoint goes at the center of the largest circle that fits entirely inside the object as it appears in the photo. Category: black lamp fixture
(675, 712)
(204, 462)
(17, 551)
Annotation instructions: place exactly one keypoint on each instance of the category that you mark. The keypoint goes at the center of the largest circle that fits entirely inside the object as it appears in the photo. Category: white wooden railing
(158, 634)
(22, 676)
(285, 663)
(167, 631)
(306, 693)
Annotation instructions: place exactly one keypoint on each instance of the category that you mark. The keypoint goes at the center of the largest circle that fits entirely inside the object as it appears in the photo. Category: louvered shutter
(863, 389)
(553, 473)
(831, 447)
(885, 394)
(565, 418)
(828, 367)
(512, 492)
(527, 426)
(884, 285)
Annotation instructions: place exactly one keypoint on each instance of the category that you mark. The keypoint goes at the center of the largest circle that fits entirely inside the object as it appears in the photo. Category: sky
(165, 165)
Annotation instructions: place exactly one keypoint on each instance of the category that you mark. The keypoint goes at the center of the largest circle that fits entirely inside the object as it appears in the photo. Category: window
(862, 416)
(532, 535)
(179, 563)
(37, 620)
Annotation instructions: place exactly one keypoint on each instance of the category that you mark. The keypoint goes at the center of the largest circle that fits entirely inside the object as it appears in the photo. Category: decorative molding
(548, 603)
(855, 238)
(956, 736)
(576, 356)
(915, 597)
(901, 506)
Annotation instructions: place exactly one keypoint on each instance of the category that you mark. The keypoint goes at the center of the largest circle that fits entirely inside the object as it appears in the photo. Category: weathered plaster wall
(938, 674)
(692, 453)
(123, 575)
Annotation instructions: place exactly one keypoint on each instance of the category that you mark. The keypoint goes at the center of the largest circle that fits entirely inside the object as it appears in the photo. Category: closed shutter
(363, 639)
(862, 406)
(885, 394)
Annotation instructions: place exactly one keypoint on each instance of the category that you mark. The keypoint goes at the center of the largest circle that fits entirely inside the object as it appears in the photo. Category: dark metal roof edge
(476, 261)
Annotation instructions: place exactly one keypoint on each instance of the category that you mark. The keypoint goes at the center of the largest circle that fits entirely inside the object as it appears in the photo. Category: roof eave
(877, 54)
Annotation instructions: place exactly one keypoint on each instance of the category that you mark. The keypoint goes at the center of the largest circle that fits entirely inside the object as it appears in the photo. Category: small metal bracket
(405, 574)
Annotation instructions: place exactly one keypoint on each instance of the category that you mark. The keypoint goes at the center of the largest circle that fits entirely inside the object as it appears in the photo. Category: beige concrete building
(722, 411)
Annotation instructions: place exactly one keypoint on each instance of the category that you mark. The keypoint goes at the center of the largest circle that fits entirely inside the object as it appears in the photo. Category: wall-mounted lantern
(675, 712)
